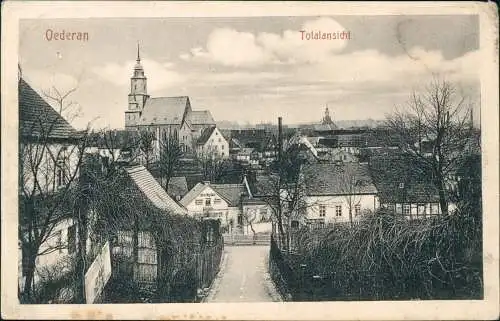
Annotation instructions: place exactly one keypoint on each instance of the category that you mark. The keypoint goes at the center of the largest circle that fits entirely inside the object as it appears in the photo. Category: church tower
(138, 94)
(327, 119)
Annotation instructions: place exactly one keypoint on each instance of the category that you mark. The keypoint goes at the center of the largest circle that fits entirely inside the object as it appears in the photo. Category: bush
(56, 283)
(388, 257)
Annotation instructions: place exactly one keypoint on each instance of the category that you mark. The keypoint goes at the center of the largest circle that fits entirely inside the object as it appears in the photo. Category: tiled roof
(177, 186)
(201, 117)
(231, 193)
(152, 190)
(37, 118)
(164, 110)
(397, 181)
(205, 135)
(332, 179)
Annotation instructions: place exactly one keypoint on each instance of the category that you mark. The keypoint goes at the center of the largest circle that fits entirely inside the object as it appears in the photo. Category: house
(49, 154)
(153, 205)
(212, 142)
(244, 155)
(336, 155)
(255, 207)
(337, 192)
(215, 201)
(402, 190)
(165, 117)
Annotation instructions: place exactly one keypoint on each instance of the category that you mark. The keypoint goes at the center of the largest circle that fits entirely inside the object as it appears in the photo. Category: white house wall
(217, 143)
(366, 202)
(49, 260)
(208, 193)
(45, 171)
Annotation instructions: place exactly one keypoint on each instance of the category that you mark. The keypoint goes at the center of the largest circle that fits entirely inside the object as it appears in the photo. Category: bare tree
(284, 192)
(351, 185)
(440, 119)
(146, 145)
(50, 162)
(249, 217)
(170, 157)
(212, 165)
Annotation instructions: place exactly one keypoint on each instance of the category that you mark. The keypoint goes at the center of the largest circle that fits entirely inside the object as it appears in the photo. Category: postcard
(250, 161)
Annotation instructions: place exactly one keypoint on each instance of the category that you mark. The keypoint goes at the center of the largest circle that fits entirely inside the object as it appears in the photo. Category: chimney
(206, 182)
(280, 138)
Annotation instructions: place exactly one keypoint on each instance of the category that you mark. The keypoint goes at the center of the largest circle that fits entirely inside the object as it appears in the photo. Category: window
(357, 209)
(208, 202)
(72, 239)
(219, 140)
(322, 210)
(222, 147)
(217, 201)
(399, 209)
(338, 210)
(414, 210)
(198, 202)
(434, 208)
(406, 209)
(421, 212)
(222, 153)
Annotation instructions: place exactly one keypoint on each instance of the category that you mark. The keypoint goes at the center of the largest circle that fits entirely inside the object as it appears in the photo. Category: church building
(164, 116)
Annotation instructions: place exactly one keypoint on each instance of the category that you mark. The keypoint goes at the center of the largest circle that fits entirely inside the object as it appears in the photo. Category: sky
(254, 69)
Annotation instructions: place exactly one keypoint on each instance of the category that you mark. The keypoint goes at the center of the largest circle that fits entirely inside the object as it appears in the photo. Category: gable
(200, 190)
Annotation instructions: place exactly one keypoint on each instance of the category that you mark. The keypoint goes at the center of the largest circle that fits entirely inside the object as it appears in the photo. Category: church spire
(138, 55)
(327, 119)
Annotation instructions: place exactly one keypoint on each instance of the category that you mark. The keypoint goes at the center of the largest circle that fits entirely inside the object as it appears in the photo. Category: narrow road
(244, 277)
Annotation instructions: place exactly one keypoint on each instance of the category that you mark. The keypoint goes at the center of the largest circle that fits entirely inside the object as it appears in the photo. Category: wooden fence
(208, 264)
(247, 239)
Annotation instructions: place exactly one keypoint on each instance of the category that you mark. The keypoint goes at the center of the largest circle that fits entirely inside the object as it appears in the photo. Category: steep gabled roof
(332, 179)
(192, 194)
(398, 181)
(37, 118)
(205, 135)
(164, 110)
(201, 117)
(148, 185)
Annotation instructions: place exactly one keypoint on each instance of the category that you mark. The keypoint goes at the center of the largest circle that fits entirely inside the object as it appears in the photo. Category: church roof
(164, 110)
(201, 117)
(37, 118)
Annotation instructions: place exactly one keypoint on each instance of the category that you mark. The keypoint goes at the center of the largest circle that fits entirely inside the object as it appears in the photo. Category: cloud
(372, 66)
(234, 48)
(160, 75)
